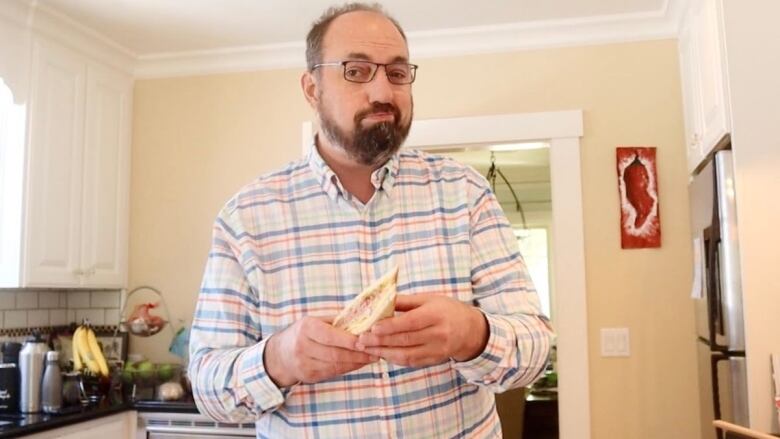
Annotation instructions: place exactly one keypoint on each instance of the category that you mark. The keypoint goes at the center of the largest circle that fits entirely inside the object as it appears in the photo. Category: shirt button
(386, 375)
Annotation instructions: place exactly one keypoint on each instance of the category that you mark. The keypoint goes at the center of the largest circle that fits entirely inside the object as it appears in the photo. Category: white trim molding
(42, 20)
(562, 129)
(606, 29)
(661, 24)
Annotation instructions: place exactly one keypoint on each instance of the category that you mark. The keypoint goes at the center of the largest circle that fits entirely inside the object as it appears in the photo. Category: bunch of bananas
(87, 353)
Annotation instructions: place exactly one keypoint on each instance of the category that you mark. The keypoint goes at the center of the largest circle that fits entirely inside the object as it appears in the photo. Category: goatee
(372, 145)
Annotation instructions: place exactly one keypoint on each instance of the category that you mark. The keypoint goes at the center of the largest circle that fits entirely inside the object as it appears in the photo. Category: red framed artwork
(640, 225)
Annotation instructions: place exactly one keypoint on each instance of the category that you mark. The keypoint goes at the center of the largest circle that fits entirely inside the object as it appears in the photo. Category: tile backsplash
(31, 308)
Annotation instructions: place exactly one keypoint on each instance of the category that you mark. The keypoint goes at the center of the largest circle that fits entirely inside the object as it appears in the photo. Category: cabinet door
(53, 214)
(715, 111)
(106, 178)
(119, 426)
(691, 91)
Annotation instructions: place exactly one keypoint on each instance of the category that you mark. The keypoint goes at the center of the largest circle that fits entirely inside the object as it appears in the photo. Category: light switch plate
(615, 342)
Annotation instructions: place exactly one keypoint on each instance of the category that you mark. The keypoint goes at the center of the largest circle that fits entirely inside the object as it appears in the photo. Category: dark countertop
(17, 424)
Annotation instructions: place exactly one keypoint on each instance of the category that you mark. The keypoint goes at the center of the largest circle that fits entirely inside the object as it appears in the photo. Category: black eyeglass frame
(343, 64)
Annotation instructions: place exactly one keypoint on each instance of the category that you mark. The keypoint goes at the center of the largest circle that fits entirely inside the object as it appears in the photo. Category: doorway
(562, 131)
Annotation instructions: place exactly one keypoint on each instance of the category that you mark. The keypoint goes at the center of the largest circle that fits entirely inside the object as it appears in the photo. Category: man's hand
(311, 350)
(431, 330)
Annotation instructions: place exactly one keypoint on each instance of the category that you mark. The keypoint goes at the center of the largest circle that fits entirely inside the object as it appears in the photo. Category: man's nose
(380, 89)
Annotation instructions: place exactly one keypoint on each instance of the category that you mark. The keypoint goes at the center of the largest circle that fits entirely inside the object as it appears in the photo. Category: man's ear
(310, 87)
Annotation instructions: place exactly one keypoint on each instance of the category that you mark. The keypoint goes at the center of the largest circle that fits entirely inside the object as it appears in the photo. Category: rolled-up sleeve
(518, 346)
(228, 376)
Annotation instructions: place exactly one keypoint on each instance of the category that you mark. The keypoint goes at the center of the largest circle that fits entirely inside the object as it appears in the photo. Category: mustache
(377, 107)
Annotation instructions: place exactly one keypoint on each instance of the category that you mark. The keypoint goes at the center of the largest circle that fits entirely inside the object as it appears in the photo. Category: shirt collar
(383, 178)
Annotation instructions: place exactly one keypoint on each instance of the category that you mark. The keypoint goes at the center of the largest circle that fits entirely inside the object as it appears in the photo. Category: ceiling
(154, 27)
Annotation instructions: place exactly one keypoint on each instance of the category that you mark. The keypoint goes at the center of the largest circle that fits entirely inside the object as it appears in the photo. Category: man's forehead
(366, 35)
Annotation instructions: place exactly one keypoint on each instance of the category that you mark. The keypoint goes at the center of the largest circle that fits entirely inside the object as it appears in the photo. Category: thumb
(410, 302)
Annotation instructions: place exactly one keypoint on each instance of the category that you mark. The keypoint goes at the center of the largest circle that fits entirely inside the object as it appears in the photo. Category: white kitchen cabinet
(106, 191)
(75, 220)
(54, 169)
(119, 426)
(704, 80)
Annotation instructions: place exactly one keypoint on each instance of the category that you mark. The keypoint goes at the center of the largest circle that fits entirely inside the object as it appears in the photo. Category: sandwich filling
(376, 302)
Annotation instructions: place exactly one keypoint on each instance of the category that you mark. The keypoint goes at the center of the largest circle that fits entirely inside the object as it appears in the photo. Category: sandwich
(374, 303)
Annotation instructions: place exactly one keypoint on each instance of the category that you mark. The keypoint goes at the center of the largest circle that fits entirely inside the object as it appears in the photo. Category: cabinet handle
(91, 271)
(694, 139)
(78, 272)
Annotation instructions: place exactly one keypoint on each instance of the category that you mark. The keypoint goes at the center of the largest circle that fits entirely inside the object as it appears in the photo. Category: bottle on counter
(31, 364)
(51, 388)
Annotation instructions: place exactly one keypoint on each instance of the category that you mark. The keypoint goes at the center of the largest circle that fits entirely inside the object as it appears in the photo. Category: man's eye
(357, 71)
(398, 74)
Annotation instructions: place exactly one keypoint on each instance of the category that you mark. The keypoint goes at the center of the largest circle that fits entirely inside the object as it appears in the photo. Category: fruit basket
(141, 321)
(142, 378)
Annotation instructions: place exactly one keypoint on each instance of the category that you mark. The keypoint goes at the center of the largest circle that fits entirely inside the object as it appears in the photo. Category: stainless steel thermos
(31, 364)
(51, 393)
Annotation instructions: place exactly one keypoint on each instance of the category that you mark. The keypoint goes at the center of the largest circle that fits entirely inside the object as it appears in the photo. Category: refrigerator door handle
(715, 358)
(714, 301)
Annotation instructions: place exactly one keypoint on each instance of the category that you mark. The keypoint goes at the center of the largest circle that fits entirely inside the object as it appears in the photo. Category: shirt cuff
(258, 388)
(481, 368)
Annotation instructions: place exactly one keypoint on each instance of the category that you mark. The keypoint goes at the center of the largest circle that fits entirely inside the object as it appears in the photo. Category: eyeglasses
(398, 73)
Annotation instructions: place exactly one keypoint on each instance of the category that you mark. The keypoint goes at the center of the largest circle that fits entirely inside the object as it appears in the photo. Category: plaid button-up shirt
(296, 243)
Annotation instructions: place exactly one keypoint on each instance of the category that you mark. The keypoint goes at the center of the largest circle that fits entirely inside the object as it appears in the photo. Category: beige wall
(197, 140)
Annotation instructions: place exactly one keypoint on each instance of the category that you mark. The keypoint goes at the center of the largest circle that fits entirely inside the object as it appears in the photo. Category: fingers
(419, 356)
(337, 355)
(317, 371)
(325, 334)
(414, 320)
(400, 339)
(410, 302)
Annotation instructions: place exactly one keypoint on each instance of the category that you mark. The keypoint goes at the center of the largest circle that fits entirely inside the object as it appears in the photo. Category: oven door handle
(197, 431)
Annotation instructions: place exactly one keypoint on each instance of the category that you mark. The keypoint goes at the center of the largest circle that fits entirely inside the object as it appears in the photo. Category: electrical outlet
(615, 342)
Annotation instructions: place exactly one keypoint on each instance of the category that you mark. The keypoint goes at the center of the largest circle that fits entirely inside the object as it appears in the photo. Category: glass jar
(71, 392)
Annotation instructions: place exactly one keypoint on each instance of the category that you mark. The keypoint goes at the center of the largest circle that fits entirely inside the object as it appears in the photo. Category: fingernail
(359, 346)
(374, 358)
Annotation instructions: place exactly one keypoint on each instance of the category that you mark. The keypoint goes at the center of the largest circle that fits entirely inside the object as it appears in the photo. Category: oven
(163, 425)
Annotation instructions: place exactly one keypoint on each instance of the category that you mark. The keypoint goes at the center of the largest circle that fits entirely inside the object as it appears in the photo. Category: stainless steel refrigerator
(717, 293)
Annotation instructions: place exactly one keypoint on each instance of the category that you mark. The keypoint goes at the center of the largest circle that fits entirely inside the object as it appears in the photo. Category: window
(12, 132)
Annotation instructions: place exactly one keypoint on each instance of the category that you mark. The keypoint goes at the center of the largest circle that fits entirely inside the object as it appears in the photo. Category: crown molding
(49, 23)
(17, 11)
(654, 25)
(621, 28)
(229, 60)
(661, 24)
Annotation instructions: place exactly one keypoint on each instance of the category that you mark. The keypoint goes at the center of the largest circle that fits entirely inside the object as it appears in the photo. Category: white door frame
(562, 129)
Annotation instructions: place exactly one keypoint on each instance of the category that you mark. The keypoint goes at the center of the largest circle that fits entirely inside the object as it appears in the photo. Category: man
(292, 248)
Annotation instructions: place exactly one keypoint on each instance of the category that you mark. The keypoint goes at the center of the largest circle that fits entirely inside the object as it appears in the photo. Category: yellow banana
(84, 350)
(77, 363)
(97, 353)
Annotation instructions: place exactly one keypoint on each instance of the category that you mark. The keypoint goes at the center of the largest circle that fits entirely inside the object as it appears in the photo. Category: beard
(372, 145)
